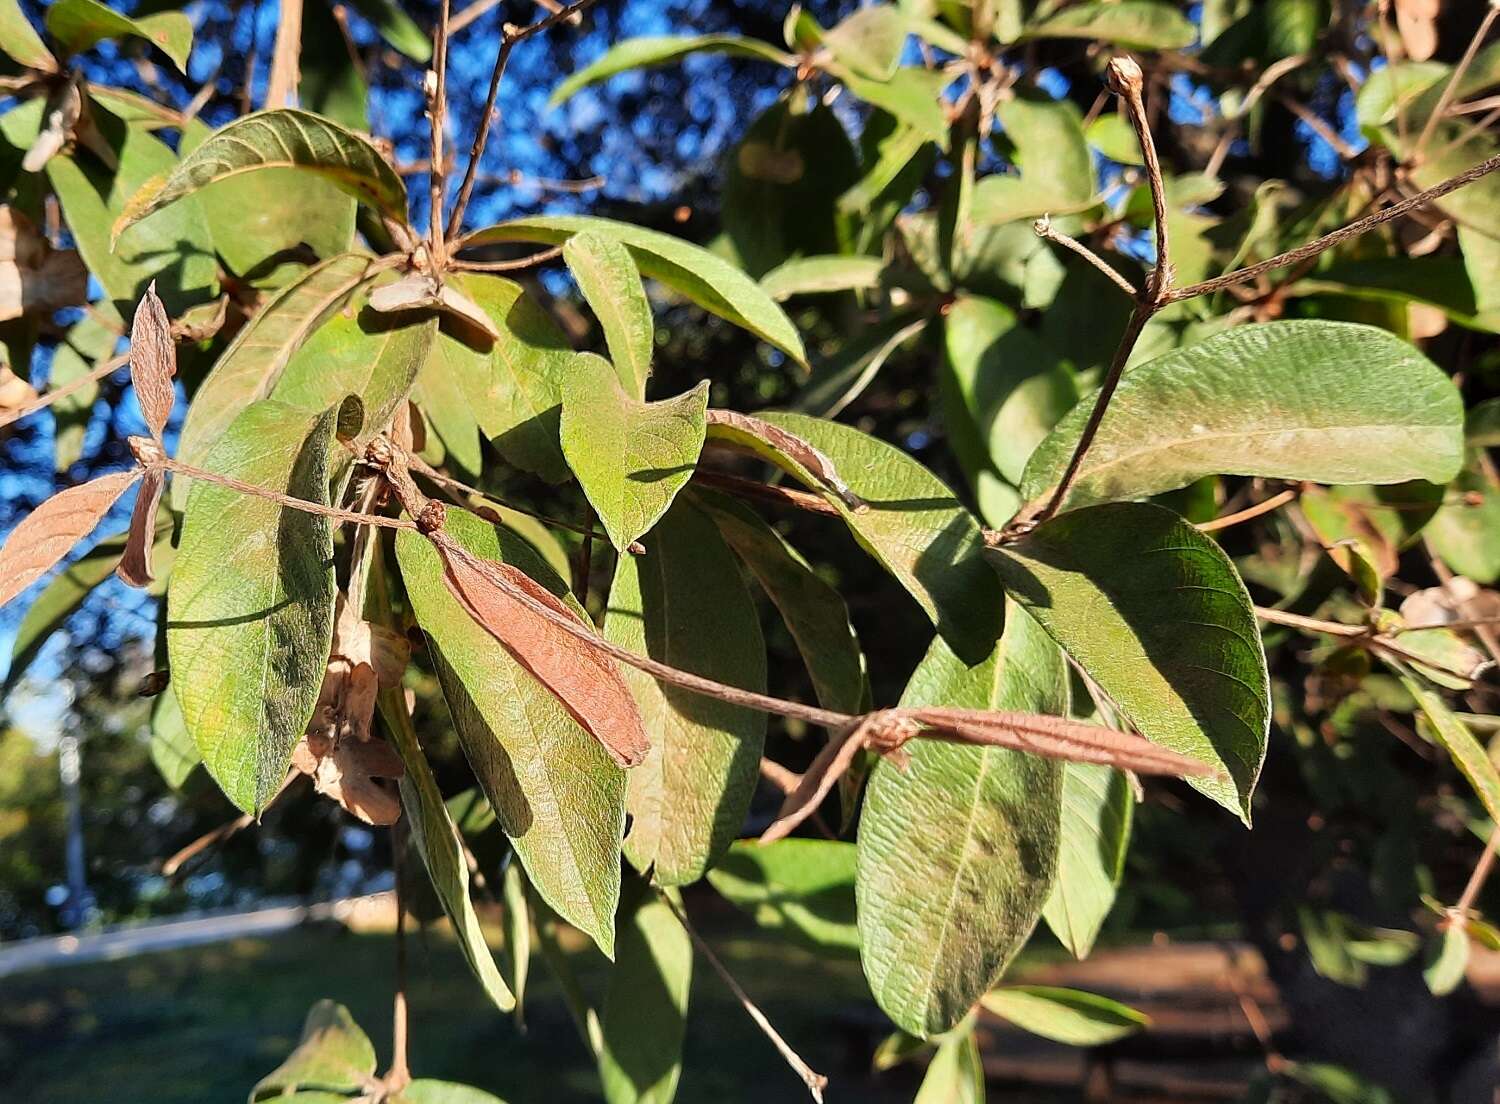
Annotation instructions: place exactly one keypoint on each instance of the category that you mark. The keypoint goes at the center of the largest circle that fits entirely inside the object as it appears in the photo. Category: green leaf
(1482, 424)
(638, 53)
(843, 377)
(914, 96)
(1445, 970)
(956, 1073)
(870, 41)
(425, 1090)
(715, 285)
(957, 852)
(77, 25)
(19, 40)
(817, 275)
(57, 602)
(333, 1055)
(1327, 402)
(254, 361)
(331, 82)
(802, 887)
(631, 457)
(282, 138)
(1096, 814)
(397, 28)
(1467, 753)
(913, 526)
(250, 606)
(172, 749)
(895, 158)
(1112, 135)
(436, 839)
(1057, 169)
(611, 283)
(452, 373)
(1154, 613)
(1467, 537)
(1135, 24)
(684, 603)
(645, 1007)
(559, 797)
(174, 248)
(1064, 1015)
(88, 343)
(813, 610)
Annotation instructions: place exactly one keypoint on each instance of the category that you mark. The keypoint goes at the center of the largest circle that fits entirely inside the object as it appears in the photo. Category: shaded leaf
(1465, 533)
(49, 532)
(79, 24)
(425, 1090)
(280, 138)
(914, 96)
(88, 343)
(611, 284)
(638, 53)
(715, 285)
(684, 603)
(1328, 402)
(172, 749)
(558, 796)
(1139, 24)
(870, 40)
(437, 840)
(1154, 613)
(645, 1007)
(801, 887)
(816, 275)
(1096, 812)
(1064, 1015)
(333, 1055)
(631, 457)
(958, 851)
(250, 605)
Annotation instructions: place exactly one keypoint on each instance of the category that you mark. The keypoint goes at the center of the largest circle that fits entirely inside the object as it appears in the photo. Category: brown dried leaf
(356, 774)
(202, 322)
(587, 682)
(748, 433)
(54, 527)
(153, 360)
(34, 277)
(419, 290)
(15, 393)
(135, 565)
(1416, 21)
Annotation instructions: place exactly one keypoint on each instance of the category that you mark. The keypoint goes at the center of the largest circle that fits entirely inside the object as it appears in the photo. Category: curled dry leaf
(153, 360)
(54, 527)
(743, 431)
(15, 393)
(34, 277)
(419, 290)
(340, 752)
(135, 565)
(202, 322)
(588, 683)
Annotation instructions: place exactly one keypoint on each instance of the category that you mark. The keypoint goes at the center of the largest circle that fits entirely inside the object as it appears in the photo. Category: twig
(41, 402)
(1481, 873)
(1481, 627)
(281, 88)
(1451, 88)
(814, 1081)
(540, 257)
(1379, 643)
(224, 831)
(765, 492)
(437, 112)
(1269, 76)
(399, 1075)
(512, 36)
(471, 13)
(1044, 229)
(585, 555)
(1309, 624)
(1328, 241)
(351, 517)
(1318, 126)
(787, 780)
(1263, 507)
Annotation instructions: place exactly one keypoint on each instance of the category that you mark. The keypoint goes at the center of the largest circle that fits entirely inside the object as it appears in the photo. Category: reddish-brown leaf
(743, 431)
(54, 527)
(508, 604)
(153, 360)
(135, 565)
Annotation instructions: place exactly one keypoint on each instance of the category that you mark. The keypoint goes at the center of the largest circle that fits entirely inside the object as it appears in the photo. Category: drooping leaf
(958, 851)
(843, 377)
(684, 603)
(813, 610)
(333, 1055)
(1468, 754)
(250, 367)
(558, 796)
(1328, 402)
(631, 457)
(137, 564)
(426, 1090)
(436, 839)
(49, 532)
(638, 53)
(153, 361)
(1155, 613)
(956, 1073)
(173, 247)
(1096, 814)
(77, 25)
(715, 285)
(611, 283)
(280, 138)
(645, 1007)
(1445, 970)
(332, 82)
(250, 605)
(911, 523)
(19, 40)
(815, 275)
(57, 602)
(172, 748)
(1136, 24)
(1482, 424)
(801, 887)
(1064, 1015)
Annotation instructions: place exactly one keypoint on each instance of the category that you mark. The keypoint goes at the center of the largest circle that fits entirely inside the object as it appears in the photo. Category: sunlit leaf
(19, 40)
(1137, 24)
(1467, 753)
(1064, 1015)
(610, 282)
(801, 887)
(77, 25)
(638, 53)
(817, 275)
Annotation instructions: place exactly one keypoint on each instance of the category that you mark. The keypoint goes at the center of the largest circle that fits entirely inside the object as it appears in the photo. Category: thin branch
(1337, 237)
(814, 1081)
(1309, 624)
(513, 35)
(1045, 230)
(1481, 872)
(41, 402)
(437, 112)
(281, 88)
(1453, 82)
(1265, 506)
(218, 835)
(1269, 76)
(471, 13)
(540, 257)
(1318, 126)
(765, 492)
